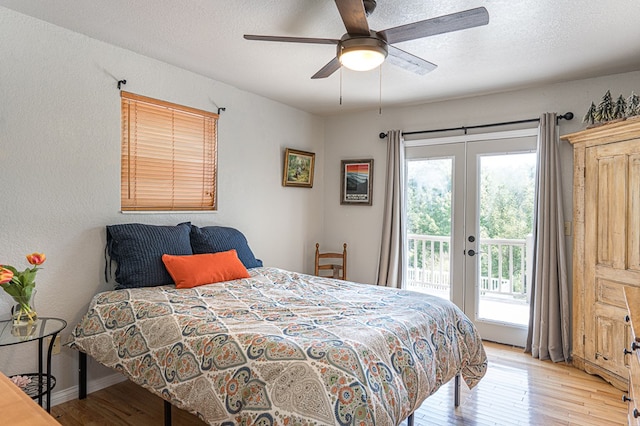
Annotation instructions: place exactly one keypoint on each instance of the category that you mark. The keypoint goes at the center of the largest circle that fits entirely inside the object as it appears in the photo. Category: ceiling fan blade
(409, 62)
(442, 24)
(327, 70)
(354, 16)
(292, 39)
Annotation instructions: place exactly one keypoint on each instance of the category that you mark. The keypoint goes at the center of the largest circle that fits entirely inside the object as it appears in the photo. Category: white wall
(60, 171)
(351, 136)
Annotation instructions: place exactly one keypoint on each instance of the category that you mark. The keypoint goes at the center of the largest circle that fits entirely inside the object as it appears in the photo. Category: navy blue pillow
(137, 249)
(214, 239)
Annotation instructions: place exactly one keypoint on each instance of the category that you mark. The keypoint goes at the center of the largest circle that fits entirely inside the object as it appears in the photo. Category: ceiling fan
(363, 49)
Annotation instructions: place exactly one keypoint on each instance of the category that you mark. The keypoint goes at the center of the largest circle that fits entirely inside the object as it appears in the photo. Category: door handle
(471, 252)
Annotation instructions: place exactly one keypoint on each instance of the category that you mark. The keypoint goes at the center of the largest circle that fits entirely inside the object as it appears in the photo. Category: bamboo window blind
(169, 156)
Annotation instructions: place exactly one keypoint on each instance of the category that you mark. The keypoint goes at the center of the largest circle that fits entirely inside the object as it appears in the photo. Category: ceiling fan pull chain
(340, 85)
(380, 92)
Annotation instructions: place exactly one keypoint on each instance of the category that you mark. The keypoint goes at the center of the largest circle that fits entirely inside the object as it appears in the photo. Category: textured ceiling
(527, 43)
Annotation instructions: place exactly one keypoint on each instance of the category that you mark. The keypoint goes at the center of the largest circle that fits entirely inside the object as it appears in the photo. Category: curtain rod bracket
(121, 82)
(221, 109)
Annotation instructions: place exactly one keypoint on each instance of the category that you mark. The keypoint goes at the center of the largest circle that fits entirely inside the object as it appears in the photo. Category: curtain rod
(121, 82)
(566, 116)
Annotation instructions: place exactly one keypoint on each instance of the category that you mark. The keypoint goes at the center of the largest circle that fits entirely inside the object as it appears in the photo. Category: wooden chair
(337, 267)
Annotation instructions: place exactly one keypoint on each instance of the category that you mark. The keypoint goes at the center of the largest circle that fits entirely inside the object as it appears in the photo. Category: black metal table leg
(40, 372)
(82, 373)
(167, 413)
(51, 344)
(456, 396)
(410, 420)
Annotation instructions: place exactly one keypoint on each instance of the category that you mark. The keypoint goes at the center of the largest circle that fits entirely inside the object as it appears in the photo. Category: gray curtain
(391, 263)
(549, 319)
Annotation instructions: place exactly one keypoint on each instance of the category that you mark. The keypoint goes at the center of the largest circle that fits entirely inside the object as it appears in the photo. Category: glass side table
(41, 383)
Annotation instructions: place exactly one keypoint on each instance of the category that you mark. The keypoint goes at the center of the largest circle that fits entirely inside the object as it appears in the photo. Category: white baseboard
(64, 395)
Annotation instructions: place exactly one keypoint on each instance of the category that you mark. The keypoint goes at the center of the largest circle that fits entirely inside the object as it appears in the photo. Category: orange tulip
(5, 275)
(36, 258)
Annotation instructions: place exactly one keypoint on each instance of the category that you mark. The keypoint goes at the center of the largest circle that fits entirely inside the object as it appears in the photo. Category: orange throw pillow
(198, 269)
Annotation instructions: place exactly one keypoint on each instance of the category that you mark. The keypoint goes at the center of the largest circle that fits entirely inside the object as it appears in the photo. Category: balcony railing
(504, 265)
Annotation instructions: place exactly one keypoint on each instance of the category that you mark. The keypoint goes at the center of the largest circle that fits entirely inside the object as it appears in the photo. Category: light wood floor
(517, 390)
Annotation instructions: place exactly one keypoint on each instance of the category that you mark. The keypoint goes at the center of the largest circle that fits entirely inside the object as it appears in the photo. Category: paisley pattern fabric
(282, 348)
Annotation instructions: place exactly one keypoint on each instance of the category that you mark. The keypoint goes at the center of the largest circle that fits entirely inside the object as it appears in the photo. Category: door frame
(465, 297)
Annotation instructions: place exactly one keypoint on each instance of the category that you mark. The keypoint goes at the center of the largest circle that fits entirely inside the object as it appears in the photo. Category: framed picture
(298, 168)
(357, 182)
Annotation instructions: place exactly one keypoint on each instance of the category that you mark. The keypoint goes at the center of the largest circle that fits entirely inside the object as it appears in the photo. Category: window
(169, 156)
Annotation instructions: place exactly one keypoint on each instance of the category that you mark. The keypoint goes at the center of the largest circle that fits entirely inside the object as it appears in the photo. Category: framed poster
(298, 168)
(356, 182)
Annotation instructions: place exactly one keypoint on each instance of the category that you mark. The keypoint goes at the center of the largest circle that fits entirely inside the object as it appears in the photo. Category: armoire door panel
(603, 177)
(633, 213)
(611, 211)
(610, 292)
(610, 335)
(626, 277)
(619, 211)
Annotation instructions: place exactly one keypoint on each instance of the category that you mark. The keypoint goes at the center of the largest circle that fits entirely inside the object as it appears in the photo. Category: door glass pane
(506, 184)
(429, 226)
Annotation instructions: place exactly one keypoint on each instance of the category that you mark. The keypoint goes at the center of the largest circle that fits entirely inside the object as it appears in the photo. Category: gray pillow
(214, 239)
(137, 249)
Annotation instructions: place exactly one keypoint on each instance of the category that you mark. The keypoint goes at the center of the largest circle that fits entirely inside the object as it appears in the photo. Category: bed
(280, 348)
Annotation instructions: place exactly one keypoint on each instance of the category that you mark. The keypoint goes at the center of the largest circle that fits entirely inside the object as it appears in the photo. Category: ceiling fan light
(361, 60)
(362, 54)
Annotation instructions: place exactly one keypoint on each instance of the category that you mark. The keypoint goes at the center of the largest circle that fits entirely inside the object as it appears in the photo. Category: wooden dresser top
(18, 409)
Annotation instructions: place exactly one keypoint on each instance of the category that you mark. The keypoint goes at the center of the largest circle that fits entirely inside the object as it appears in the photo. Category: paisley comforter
(282, 348)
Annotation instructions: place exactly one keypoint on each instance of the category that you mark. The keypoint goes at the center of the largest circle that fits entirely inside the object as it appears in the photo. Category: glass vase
(24, 312)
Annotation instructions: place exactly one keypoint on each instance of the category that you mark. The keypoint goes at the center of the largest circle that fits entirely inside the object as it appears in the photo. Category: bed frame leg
(82, 375)
(410, 419)
(167, 413)
(456, 396)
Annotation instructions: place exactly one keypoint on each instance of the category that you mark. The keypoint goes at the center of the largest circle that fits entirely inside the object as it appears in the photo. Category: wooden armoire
(606, 244)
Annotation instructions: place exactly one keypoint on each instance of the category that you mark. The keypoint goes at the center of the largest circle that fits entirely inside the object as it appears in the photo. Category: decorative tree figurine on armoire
(590, 116)
(605, 108)
(633, 105)
(620, 108)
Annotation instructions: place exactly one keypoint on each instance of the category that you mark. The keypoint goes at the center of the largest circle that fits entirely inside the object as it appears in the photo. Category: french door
(469, 225)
